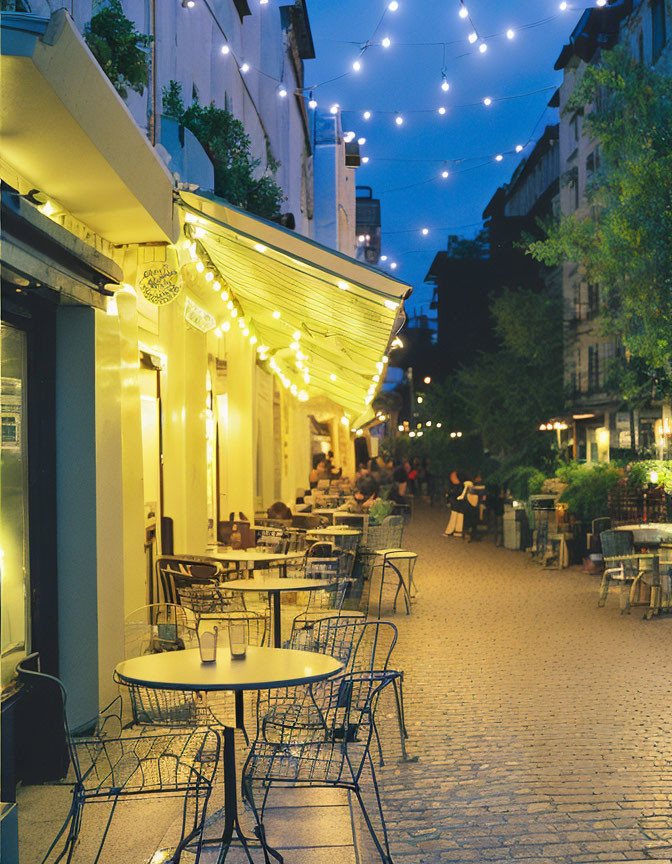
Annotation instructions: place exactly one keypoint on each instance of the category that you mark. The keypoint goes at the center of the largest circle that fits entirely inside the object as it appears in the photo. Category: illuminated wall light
(428, 423)
(312, 104)
(296, 334)
(459, 434)
(200, 266)
(400, 428)
(225, 49)
(386, 42)
(420, 400)
(439, 425)
(379, 366)
(601, 2)
(356, 66)
(299, 365)
(241, 323)
(510, 33)
(445, 174)
(224, 296)
(276, 315)
(498, 157)
(306, 377)
(482, 47)
(442, 110)
(230, 305)
(192, 251)
(246, 331)
(420, 434)
(376, 378)
(472, 37)
(301, 356)
(285, 383)
(386, 359)
(359, 433)
(487, 101)
(366, 115)
(245, 68)
(411, 434)
(293, 389)
(345, 421)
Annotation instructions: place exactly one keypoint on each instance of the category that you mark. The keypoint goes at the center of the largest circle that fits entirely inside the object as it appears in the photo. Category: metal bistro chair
(331, 751)
(109, 767)
(172, 571)
(325, 562)
(361, 645)
(622, 564)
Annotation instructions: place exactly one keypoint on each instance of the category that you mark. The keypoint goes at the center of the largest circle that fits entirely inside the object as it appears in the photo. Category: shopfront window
(14, 560)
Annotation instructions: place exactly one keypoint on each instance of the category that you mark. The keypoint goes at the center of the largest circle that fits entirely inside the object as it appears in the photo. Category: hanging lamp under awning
(323, 321)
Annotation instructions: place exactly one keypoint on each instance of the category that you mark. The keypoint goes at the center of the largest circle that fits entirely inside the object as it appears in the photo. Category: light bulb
(200, 266)
(445, 86)
(245, 68)
(393, 266)
(225, 49)
(472, 37)
(260, 247)
(226, 326)
(263, 2)
(386, 42)
(296, 334)
(253, 340)
(282, 92)
(361, 238)
(348, 136)
(445, 174)
(482, 47)
(399, 120)
(383, 257)
(276, 314)
(601, 2)
(216, 286)
(511, 33)
(366, 115)
(343, 285)
(209, 276)
(234, 313)
(230, 305)
(334, 108)
(356, 66)
(487, 101)
(361, 141)
(442, 110)
(365, 159)
(425, 232)
(393, 6)
(563, 6)
(498, 157)
(312, 104)
(332, 377)
(464, 12)
(519, 148)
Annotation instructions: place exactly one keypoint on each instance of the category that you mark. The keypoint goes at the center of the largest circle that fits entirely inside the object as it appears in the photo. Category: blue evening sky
(407, 78)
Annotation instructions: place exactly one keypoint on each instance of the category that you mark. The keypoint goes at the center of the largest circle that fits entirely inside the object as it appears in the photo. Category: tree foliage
(119, 48)
(625, 243)
(224, 139)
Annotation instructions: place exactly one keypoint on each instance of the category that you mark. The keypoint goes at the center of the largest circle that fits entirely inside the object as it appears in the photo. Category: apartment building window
(574, 126)
(593, 368)
(593, 301)
(658, 34)
(573, 184)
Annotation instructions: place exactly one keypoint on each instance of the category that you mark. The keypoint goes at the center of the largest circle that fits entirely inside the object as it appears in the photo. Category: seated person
(320, 471)
(366, 492)
(279, 510)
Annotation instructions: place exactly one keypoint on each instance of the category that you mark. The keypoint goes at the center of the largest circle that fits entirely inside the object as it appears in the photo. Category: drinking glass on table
(207, 640)
(238, 636)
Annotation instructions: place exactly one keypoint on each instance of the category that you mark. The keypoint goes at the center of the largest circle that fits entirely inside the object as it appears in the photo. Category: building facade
(599, 423)
(165, 356)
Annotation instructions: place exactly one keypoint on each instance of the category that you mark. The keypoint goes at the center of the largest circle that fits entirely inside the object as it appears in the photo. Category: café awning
(322, 321)
(68, 133)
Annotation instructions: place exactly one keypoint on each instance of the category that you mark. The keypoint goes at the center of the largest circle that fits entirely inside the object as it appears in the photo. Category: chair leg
(604, 589)
(69, 823)
(383, 852)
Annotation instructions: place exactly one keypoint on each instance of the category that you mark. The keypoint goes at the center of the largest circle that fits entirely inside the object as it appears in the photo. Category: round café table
(273, 587)
(260, 669)
(253, 558)
(650, 536)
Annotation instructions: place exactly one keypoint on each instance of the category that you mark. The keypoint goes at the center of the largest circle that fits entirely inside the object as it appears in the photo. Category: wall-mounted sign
(158, 282)
(197, 317)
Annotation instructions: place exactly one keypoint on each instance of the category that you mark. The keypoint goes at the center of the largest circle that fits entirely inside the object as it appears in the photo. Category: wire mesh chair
(209, 599)
(325, 562)
(272, 539)
(622, 564)
(329, 752)
(109, 767)
(172, 572)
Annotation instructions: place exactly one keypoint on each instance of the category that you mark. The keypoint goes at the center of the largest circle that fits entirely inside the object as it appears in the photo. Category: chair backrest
(157, 628)
(602, 523)
(272, 539)
(615, 543)
(388, 535)
(172, 571)
(48, 743)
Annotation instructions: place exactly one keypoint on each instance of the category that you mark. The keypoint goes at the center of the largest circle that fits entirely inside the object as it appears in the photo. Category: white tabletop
(339, 530)
(277, 584)
(251, 556)
(261, 668)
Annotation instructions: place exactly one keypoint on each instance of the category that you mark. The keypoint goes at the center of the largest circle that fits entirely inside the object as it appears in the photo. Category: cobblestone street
(542, 723)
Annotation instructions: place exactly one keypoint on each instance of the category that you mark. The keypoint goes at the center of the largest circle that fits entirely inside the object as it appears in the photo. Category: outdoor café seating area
(258, 666)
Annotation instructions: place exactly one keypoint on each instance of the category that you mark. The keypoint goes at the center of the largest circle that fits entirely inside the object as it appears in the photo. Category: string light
(361, 141)
(365, 159)
(386, 42)
(399, 120)
(282, 92)
(483, 47)
(519, 148)
(334, 108)
(445, 174)
(445, 86)
(393, 6)
(225, 49)
(464, 12)
(425, 232)
(498, 157)
(245, 68)
(442, 110)
(487, 101)
(510, 33)
(312, 103)
(356, 66)
(472, 37)
(563, 6)
(366, 115)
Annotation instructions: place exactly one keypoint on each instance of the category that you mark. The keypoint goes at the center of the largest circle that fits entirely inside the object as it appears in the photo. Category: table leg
(277, 636)
(240, 715)
(230, 792)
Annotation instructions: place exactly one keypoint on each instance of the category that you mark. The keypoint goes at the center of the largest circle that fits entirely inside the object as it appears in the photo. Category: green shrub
(638, 474)
(120, 49)
(588, 487)
(521, 480)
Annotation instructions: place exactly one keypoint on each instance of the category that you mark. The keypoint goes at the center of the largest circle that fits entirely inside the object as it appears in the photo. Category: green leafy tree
(119, 48)
(625, 244)
(224, 139)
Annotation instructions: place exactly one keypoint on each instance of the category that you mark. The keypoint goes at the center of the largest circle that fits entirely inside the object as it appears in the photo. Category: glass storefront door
(14, 558)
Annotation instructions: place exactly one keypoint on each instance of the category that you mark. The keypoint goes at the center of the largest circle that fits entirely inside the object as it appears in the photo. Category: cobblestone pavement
(542, 723)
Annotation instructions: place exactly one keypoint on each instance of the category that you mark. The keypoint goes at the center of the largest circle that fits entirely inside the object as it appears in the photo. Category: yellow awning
(324, 321)
(67, 132)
